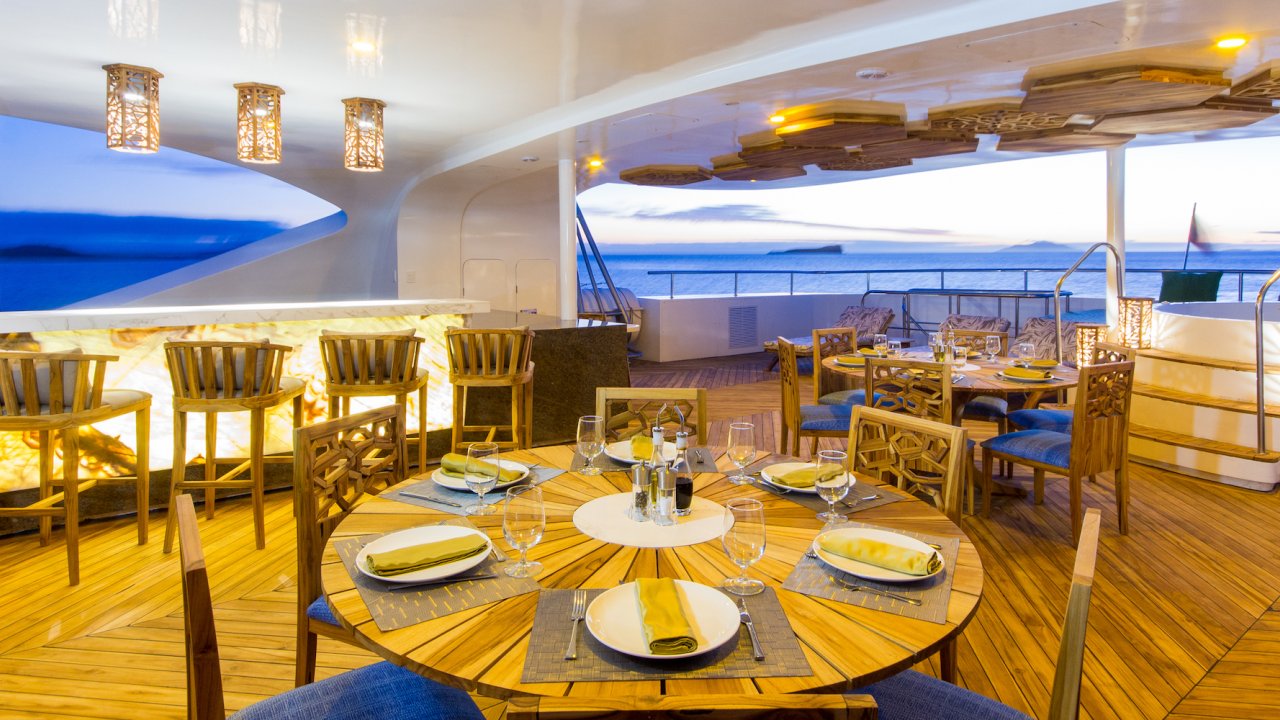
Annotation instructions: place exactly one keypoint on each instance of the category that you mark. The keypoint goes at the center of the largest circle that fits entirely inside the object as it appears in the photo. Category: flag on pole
(1195, 237)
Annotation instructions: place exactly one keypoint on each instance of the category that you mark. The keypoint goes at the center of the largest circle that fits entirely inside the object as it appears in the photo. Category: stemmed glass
(742, 450)
(1024, 353)
(993, 346)
(743, 541)
(590, 441)
(523, 521)
(483, 469)
(832, 489)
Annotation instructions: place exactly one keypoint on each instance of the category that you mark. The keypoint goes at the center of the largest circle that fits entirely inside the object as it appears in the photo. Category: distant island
(1044, 246)
(824, 250)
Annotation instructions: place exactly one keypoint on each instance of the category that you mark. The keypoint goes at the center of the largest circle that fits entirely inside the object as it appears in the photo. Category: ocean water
(987, 271)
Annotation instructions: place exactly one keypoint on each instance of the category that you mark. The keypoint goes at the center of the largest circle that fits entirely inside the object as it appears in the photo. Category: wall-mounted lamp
(133, 108)
(363, 146)
(258, 137)
(1135, 321)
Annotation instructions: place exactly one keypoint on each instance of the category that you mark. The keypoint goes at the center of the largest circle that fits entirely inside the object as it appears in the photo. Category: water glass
(1024, 353)
(894, 348)
(524, 520)
(880, 343)
(959, 354)
(834, 488)
(993, 346)
(743, 541)
(590, 441)
(742, 450)
(482, 474)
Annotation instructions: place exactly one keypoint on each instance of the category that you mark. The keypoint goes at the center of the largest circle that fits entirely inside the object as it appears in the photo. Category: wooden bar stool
(492, 358)
(214, 377)
(54, 395)
(375, 365)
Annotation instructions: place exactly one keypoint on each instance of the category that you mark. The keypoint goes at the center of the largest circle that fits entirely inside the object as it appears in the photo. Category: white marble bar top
(178, 316)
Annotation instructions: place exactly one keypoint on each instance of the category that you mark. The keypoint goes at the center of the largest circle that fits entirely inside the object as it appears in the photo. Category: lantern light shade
(1135, 321)
(1088, 335)
(363, 137)
(133, 108)
(258, 138)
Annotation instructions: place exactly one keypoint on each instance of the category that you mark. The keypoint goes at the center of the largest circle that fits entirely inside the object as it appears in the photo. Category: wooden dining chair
(381, 690)
(915, 696)
(984, 407)
(972, 339)
(485, 358)
(1057, 417)
(712, 707)
(1098, 442)
(214, 377)
(913, 453)
(54, 395)
(629, 410)
(336, 466)
(375, 365)
(830, 388)
(814, 421)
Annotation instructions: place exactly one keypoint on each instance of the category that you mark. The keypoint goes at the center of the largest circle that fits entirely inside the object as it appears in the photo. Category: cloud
(753, 213)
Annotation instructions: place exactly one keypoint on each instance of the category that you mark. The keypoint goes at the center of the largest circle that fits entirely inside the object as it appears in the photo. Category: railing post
(671, 293)
(735, 284)
(791, 290)
(1261, 357)
(1240, 287)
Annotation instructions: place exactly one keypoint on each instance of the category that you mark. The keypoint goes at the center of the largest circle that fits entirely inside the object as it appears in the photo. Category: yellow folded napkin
(850, 359)
(881, 554)
(455, 466)
(869, 352)
(666, 628)
(807, 477)
(641, 447)
(427, 555)
(1027, 373)
(1046, 363)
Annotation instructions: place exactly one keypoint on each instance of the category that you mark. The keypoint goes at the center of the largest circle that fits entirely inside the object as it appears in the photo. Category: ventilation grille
(742, 327)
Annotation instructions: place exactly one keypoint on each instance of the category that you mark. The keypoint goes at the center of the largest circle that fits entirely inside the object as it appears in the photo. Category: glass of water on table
(832, 486)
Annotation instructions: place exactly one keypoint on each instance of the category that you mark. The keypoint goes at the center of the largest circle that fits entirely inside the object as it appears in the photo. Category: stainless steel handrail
(1057, 290)
(1257, 330)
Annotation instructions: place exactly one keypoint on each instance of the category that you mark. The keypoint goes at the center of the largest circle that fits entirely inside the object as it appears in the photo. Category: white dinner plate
(621, 451)
(418, 536)
(858, 362)
(457, 483)
(875, 572)
(614, 619)
(1011, 378)
(773, 471)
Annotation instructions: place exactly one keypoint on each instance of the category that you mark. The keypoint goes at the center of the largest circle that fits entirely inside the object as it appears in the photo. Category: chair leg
(422, 429)
(517, 412)
(947, 661)
(46, 482)
(813, 447)
(782, 443)
(257, 440)
(1122, 495)
(528, 414)
(297, 413)
(305, 662)
(1077, 514)
(459, 417)
(1037, 477)
(335, 410)
(987, 483)
(71, 495)
(210, 462)
(142, 471)
(175, 476)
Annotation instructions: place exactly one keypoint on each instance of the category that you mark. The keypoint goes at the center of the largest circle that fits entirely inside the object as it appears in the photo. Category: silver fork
(577, 613)
(877, 591)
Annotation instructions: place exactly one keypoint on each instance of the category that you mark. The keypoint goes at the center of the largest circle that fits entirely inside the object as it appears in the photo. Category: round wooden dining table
(981, 377)
(483, 649)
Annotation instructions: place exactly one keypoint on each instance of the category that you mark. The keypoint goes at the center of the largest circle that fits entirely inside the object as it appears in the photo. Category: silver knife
(428, 498)
(751, 629)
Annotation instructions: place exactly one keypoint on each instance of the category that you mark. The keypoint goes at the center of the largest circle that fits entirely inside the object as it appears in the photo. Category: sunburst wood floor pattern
(1185, 621)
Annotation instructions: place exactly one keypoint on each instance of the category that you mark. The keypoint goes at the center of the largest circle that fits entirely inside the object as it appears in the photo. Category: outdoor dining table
(484, 648)
(981, 376)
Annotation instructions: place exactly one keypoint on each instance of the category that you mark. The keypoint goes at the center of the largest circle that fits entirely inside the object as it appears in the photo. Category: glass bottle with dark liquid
(684, 475)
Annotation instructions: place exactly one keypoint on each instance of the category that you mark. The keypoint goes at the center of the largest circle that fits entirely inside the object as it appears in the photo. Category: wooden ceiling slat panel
(665, 175)
(990, 117)
(731, 167)
(1060, 140)
(922, 144)
(856, 161)
(1124, 90)
(780, 154)
(1215, 114)
(1262, 83)
(842, 130)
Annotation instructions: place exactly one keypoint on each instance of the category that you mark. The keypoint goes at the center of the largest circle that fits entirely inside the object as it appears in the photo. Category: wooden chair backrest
(1105, 352)
(204, 671)
(336, 464)
(977, 339)
(828, 342)
(1100, 421)
(788, 377)
(369, 359)
(489, 357)
(712, 707)
(37, 383)
(910, 451)
(640, 408)
(216, 370)
(1064, 704)
(916, 387)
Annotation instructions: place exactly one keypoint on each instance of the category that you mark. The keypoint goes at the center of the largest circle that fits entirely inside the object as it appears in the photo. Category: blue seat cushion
(1055, 420)
(381, 690)
(844, 397)
(911, 695)
(319, 610)
(1042, 446)
(985, 407)
(825, 417)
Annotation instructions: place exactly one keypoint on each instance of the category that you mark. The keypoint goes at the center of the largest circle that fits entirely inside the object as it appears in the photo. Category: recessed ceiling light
(364, 47)
(872, 73)
(777, 119)
(529, 158)
(595, 163)
(1232, 42)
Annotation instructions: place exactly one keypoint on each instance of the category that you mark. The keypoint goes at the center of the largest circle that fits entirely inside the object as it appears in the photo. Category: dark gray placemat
(604, 462)
(440, 498)
(810, 577)
(397, 606)
(817, 504)
(702, 460)
(549, 639)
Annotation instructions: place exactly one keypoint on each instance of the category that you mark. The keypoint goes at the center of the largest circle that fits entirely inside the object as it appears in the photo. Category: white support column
(568, 275)
(1115, 227)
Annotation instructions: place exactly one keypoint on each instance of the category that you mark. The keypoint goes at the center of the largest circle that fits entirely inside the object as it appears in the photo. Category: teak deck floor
(1185, 620)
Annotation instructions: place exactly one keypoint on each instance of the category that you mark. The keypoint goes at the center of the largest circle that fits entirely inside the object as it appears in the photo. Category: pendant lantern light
(363, 137)
(258, 138)
(133, 108)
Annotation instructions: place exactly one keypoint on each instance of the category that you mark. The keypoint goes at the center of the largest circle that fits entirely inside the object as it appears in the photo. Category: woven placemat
(550, 638)
(817, 504)
(604, 462)
(428, 494)
(702, 460)
(811, 577)
(397, 606)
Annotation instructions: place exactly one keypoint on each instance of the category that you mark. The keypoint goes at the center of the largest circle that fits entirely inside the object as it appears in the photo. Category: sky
(1058, 198)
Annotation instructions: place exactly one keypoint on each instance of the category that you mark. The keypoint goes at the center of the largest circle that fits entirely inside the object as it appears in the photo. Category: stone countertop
(177, 316)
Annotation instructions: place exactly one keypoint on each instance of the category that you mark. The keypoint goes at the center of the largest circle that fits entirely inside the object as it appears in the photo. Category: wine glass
(834, 488)
(590, 441)
(742, 450)
(523, 521)
(1024, 353)
(894, 348)
(482, 474)
(743, 541)
(993, 346)
(880, 343)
